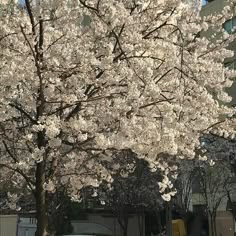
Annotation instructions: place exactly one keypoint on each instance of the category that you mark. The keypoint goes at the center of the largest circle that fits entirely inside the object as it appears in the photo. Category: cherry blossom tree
(80, 79)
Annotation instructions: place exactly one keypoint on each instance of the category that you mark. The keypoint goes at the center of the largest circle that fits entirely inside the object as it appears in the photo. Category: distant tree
(213, 181)
(135, 193)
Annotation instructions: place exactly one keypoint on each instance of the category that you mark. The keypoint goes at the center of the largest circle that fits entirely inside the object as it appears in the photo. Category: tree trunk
(125, 230)
(212, 224)
(158, 220)
(123, 219)
(40, 197)
(233, 210)
(211, 227)
(140, 214)
(168, 219)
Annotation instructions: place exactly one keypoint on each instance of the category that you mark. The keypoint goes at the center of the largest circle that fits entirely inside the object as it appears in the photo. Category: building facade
(212, 7)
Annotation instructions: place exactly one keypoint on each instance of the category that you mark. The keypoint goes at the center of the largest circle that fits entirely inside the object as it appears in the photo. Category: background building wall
(224, 223)
(108, 224)
(8, 225)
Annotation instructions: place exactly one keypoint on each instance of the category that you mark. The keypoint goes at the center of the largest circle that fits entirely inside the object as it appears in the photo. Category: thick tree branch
(19, 108)
(30, 182)
(83, 2)
(9, 152)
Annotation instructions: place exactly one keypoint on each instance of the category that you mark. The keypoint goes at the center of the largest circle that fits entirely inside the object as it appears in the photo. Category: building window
(230, 25)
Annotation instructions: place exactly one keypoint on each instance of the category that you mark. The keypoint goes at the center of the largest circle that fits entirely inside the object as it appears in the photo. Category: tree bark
(158, 220)
(40, 197)
(212, 224)
(140, 214)
(233, 210)
(168, 219)
(123, 219)
(125, 230)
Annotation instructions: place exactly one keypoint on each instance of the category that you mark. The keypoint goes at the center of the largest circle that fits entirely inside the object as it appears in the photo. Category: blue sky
(21, 2)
